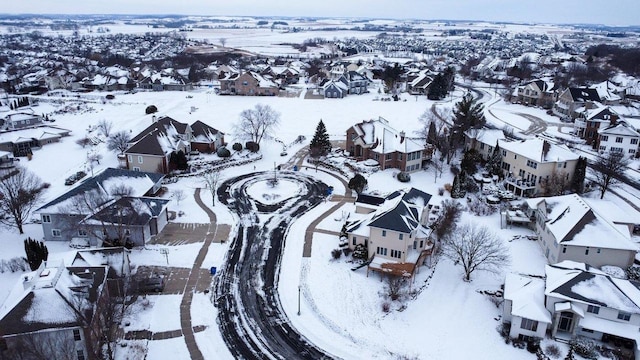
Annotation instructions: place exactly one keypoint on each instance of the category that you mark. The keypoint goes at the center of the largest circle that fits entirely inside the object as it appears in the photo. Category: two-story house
(619, 137)
(591, 120)
(536, 93)
(529, 163)
(483, 141)
(248, 83)
(571, 100)
(377, 140)
(595, 232)
(56, 311)
(63, 218)
(150, 150)
(574, 299)
(394, 230)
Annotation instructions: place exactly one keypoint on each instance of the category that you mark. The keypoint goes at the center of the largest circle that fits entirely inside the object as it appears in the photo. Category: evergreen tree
(438, 88)
(468, 114)
(432, 135)
(470, 161)
(320, 144)
(457, 190)
(494, 164)
(357, 183)
(36, 252)
(577, 183)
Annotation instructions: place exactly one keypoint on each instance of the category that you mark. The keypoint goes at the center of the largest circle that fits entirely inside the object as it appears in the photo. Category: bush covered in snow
(336, 254)
(237, 147)
(14, 264)
(480, 208)
(614, 271)
(584, 347)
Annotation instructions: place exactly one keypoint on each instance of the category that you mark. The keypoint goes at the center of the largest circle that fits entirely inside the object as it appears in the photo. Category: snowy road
(250, 316)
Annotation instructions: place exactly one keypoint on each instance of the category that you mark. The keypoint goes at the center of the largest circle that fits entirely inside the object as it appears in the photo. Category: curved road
(250, 315)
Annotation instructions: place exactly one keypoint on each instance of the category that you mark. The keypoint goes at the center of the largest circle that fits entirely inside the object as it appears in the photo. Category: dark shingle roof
(162, 125)
(137, 211)
(584, 94)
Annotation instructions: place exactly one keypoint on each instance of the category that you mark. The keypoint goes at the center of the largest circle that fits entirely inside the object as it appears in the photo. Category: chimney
(153, 119)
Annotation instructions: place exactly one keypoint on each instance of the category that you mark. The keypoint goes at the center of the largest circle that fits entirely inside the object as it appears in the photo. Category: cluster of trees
(441, 85)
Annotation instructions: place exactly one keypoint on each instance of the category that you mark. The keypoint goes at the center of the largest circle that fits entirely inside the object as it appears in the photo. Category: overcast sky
(609, 12)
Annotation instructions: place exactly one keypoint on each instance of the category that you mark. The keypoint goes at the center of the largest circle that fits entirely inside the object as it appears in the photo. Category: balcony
(519, 186)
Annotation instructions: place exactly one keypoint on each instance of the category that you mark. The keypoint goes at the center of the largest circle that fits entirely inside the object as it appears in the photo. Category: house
(56, 309)
(356, 82)
(483, 141)
(377, 140)
(129, 221)
(419, 84)
(528, 164)
(23, 142)
(591, 120)
(63, 217)
(620, 137)
(536, 93)
(394, 230)
(21, 120)
(574, 299)
(571, 100)
(570, 227)
(151, 149)
(333, 89)
(117, 260)
(249, 83)
(205, 138)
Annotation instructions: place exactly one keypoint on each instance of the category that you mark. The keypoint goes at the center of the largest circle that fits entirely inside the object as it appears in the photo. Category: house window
(130, 158)
(400, 236)
(632, 151)
(604, 138)
(80, 354)
(46, 218)
(135, 168)
(603, 148)
(598, 251)
(593, 309)
(532, 164)
(504, 152)
(82, 232)
(396, 254)
(384, 232)
(619, 139)
(616, 149)
(528, 324)
(140, 159)
(76, 335)
(625, 316)
(56, 233)
(564, 249)
(387, 157)
(381, 251)
(354, 240)
(586, 251)
(245, 83)
(481, 146)
(400, 156)
(634, 141)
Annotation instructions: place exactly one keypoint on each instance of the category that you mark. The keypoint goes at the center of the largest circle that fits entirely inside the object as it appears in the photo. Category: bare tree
(608, 169)
(449, 215)
(475, 248)
(105, 126)
(20, 192)
(255, 123)
(211, 179)
(223, 42)
(555, 184)
(394, 286)
(179, 195)
(83, 141)
(119, 141)
(42, 345)
(438, 167)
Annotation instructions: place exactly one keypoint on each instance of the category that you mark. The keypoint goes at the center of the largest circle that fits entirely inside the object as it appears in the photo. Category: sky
(617, 12)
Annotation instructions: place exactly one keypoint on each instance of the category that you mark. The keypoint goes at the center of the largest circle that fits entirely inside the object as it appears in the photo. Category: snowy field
(341, 310)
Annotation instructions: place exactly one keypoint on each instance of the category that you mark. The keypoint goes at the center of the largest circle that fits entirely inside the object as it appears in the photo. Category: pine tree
(432, 135)
(457, 190)
(320, 144)
(494, 164)
(577, 183)
(468, 114)
(36, 252)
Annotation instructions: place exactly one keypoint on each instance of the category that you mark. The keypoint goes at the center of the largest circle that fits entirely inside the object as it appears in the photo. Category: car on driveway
(152, 284)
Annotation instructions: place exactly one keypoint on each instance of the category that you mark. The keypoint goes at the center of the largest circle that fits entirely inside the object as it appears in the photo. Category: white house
(579, 301)
(591, 231)
(620, 137)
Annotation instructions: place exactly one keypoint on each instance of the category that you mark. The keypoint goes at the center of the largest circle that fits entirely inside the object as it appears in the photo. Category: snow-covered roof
(486, 136)
(51, 297)
(573, 281)
(42, 132)
(136, 211)
(533, 149)
(621, 128)
(384, 139)
(527, 297)
(607, 91)
(573, 222)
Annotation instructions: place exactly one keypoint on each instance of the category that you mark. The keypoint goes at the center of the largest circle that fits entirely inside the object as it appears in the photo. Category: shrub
(533, 345)
(336, 253)
(448, 187)
(347, 251)
(110, 97)
(151, 109)
(584, 347)
(552, 350)
(386, 307)
(403, 176)
(14, 264)
(360, 252)
(223, 152)
(252, 146)
(237, 147)
(440, 191)
(480, 208)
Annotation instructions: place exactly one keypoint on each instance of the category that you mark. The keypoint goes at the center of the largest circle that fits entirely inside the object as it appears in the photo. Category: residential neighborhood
(250, 187)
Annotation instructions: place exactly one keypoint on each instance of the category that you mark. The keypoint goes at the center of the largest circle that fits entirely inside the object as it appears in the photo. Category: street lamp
(298, 300)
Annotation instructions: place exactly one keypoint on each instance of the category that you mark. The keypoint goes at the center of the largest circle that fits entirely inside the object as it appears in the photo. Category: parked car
(153, 284)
